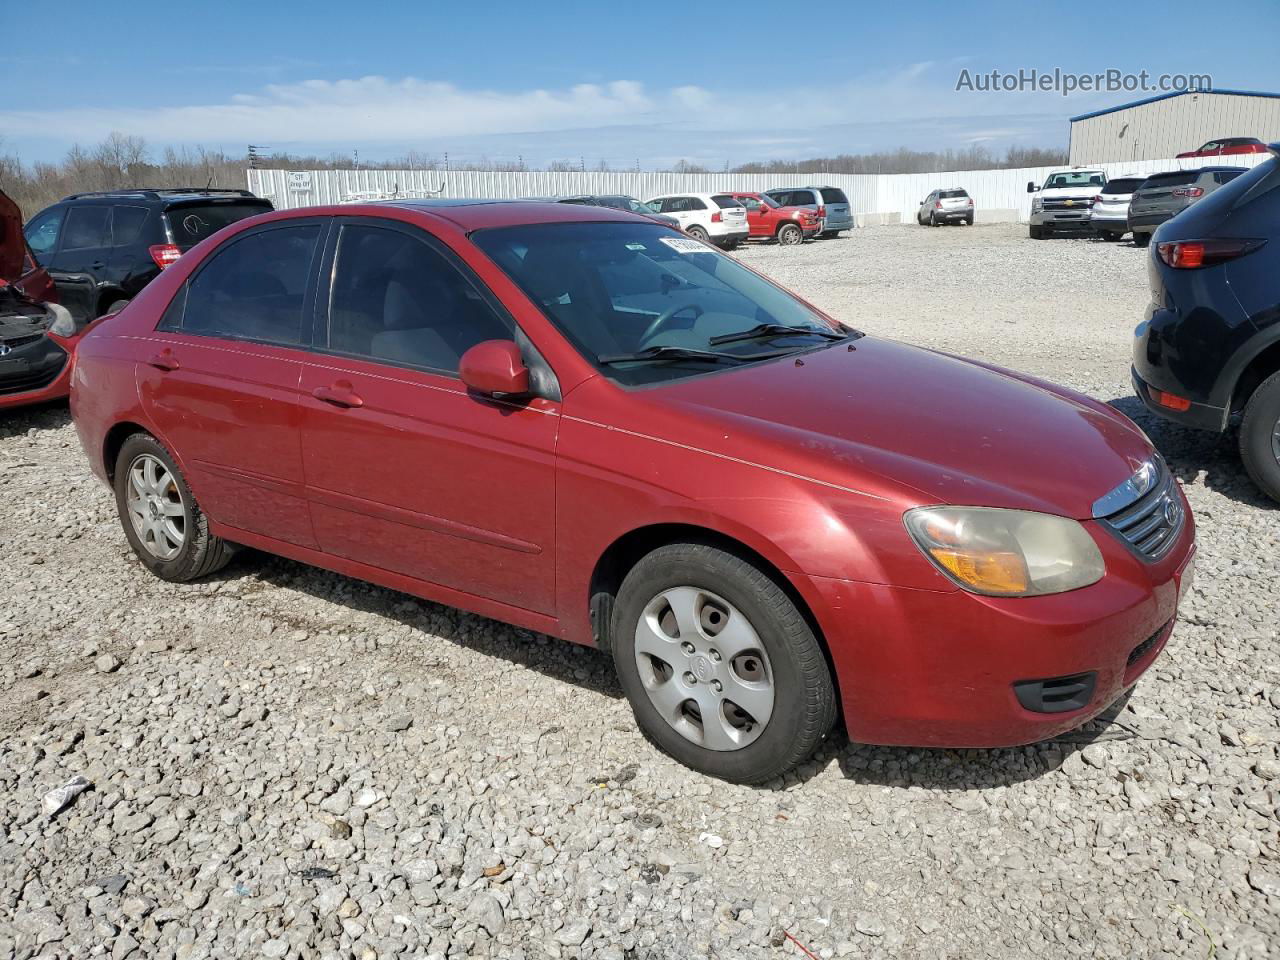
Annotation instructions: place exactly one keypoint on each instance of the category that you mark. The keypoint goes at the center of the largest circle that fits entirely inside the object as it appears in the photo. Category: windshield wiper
(663, 353)
(763, 331)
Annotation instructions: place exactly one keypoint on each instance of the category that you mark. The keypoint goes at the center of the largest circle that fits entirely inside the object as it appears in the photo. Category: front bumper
(927, 668)
(1069, 219)
(35, 373)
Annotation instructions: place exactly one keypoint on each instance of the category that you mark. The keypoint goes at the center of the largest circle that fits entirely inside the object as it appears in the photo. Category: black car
(1210, 344)
(620, 201)
(102, 248)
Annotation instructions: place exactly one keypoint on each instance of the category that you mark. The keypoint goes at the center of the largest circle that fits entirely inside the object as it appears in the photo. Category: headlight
(1037, 205)
(63, 325)
(1006, 553)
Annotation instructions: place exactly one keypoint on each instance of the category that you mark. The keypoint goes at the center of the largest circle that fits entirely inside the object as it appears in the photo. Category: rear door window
(191, 222)
(87, 227)
(833, 195)
(255, 287)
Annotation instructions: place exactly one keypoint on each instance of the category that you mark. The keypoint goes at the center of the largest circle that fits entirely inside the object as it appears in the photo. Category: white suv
(716, 217)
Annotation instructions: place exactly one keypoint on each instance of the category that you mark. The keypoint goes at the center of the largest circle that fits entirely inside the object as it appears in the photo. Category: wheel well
(1260, 367)
(625, 552)
(106, 299)
(786, 223)
(116, 437)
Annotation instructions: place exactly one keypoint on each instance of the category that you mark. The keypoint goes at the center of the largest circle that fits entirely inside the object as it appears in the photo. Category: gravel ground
(285, 762)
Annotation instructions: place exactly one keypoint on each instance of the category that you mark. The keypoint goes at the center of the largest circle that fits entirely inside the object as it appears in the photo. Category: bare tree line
(121, 161)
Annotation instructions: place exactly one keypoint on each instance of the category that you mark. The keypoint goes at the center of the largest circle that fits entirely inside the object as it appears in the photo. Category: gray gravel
(287, 763)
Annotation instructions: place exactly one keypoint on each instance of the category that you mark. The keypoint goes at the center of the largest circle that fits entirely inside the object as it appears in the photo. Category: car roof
(477, 214)
(165, 194)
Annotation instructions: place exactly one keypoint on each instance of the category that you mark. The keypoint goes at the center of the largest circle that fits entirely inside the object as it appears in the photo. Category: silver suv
(830, 203)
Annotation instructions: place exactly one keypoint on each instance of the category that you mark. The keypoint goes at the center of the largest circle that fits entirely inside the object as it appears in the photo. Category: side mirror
(1031, 187)
(495, 368)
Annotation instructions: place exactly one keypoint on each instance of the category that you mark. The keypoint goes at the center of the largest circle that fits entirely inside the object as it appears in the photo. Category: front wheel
(789, 234)
(722, 671)
(698, 233)
(1036, 233)
(161, 520)
(1141, 239)
(1260, 437)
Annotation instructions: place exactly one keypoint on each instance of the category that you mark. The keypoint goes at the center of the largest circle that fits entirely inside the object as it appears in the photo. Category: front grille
(33, 380)
(1062, 204)
(1142, 649)
(1151, 525)
(15, 342)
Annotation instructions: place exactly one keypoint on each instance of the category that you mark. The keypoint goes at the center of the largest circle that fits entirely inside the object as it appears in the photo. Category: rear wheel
(1260, 437)
(789, 234)
(969, 220)
(933, 220)
(722, 671)
(161, 520)
(698, 233)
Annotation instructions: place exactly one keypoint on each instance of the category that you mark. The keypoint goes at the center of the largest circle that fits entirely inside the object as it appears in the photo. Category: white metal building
(1173, 123)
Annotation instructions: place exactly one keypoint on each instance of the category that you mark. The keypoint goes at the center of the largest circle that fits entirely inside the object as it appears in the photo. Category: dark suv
(1210, 344)
(1163, 196)
(102, 248)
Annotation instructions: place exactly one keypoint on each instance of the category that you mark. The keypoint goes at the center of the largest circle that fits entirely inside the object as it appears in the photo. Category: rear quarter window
(191, 223)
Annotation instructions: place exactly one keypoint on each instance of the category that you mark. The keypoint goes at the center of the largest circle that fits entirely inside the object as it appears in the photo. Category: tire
(788, 661)
(1141, 239)
(1036, 233)
(199, 552)
(115, 307)
(789, 234)
(933, 220)
(730, 245)
(1260, 437)
(698, 233)
(969, 220)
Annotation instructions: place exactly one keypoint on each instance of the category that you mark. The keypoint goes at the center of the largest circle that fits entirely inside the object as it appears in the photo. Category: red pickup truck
(766, 219)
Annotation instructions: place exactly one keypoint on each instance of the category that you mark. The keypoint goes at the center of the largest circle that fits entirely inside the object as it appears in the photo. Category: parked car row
(1086, 201)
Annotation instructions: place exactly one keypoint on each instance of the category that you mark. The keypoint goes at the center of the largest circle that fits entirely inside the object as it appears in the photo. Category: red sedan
(579, 421)
(1228, 147)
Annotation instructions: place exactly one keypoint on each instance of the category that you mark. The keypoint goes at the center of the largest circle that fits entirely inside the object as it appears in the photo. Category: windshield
(768, 201)
(635, 206)
(1074, 179)
(616, 289)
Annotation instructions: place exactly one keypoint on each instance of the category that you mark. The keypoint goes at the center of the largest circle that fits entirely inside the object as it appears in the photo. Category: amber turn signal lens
(1171, 400)
(999, 573)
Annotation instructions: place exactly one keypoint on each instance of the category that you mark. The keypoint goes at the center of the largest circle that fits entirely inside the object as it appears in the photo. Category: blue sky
(625, 82)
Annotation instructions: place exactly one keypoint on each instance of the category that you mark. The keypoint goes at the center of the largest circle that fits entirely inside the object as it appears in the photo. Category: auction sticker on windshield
(685, 244)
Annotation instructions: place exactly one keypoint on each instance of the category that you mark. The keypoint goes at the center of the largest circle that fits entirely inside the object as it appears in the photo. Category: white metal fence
(997, 194)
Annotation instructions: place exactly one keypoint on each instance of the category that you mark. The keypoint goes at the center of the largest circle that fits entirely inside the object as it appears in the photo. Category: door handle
(340, 395)
(164, 360)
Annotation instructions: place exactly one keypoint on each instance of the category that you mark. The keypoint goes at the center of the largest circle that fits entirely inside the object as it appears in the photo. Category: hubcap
(155, 507)
(704, 668)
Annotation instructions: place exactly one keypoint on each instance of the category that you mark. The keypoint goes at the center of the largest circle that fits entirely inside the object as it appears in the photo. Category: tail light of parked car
(937, 204)
(164, 254)
(822, 211)
(715, 217)
(1191, 254)
(1188, 192)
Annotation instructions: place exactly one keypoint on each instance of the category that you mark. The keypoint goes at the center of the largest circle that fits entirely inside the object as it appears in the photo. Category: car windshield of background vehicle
(1060, 180)
(768, 201)
(618, 289)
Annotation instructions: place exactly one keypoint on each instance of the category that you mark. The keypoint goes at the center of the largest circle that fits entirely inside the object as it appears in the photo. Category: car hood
(917, 425)
(13, 245)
